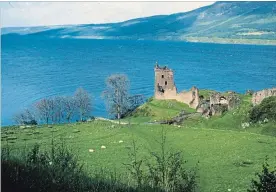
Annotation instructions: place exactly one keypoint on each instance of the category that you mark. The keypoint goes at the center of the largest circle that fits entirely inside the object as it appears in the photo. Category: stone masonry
(260, 95)
(165, 88)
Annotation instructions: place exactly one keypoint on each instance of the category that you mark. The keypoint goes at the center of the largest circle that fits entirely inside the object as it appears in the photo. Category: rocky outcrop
(179, 118)
(260, 95)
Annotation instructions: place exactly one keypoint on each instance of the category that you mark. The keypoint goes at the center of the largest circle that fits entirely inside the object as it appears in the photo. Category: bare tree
(51, 104)
(44, 110)
(25, 117)
(83, 103)
(19, 118)
(116, 94)
(58, 109)
(135, 101)
(69, 107)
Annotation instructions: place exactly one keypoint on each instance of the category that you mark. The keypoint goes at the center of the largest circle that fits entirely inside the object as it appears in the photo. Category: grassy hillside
(233, 120)
(155, 110)
(227, 159)
(228, 154)
(221, 22)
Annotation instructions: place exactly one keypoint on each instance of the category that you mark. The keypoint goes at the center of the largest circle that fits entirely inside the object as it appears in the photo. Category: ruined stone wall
(191, 97)
(218, 103)
(260, 95)
(218, 98)
(168, 94)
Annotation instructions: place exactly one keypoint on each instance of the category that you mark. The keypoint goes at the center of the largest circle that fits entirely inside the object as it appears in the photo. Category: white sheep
(120, 141)
(103, 147)
(91, 150)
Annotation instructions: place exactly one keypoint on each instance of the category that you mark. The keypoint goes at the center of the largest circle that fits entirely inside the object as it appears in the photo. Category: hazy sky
(14, 14)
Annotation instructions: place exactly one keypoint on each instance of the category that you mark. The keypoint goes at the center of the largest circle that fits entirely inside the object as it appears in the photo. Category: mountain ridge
(221, 22)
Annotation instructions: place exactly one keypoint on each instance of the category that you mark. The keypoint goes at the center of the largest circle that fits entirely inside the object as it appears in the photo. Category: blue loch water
(34, 68)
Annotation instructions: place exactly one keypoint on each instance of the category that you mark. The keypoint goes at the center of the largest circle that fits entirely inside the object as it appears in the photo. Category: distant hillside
(225, 22)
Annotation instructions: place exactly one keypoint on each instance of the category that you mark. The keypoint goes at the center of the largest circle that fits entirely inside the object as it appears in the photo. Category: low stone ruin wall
(260, 95)
(191, 97)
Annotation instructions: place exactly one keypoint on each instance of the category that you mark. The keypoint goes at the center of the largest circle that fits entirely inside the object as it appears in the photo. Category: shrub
(135, 165)
(165, 173)
(265, 110)
(91, 118)
(25, 117)
(57, 170)
(266, 181)
(31, 122)
(269, 129)
(168, 171)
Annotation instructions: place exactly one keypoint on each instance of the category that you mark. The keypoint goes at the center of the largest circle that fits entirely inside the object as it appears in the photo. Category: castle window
(166, 82)
(162, 76)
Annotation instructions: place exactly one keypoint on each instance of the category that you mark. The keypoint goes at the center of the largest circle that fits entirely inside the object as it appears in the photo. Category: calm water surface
(34, 68)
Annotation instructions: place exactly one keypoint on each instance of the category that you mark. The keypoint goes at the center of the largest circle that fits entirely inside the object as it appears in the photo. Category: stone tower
(164, 88)
(164, 81)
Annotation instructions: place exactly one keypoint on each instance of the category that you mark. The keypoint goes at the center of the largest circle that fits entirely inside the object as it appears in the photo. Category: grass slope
(228, 154)
(158, 110)
(231, 120)
(227, 159)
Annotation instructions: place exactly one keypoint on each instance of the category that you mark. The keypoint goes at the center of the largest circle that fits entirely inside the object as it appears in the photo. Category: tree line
(57, 109)
(60, 109)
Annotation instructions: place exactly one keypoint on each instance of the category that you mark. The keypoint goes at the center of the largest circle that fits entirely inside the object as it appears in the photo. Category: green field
(227, 159)
(228, 154)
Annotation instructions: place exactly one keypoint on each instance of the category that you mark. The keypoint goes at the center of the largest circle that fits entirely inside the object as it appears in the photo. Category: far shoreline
(215, 40)
(205, 40)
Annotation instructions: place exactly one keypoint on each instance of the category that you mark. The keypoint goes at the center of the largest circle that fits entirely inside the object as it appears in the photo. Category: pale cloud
(63, 13)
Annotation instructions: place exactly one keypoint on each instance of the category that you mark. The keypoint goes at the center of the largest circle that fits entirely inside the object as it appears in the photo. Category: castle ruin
(218, 103)
(260, 95)
(165, 88)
